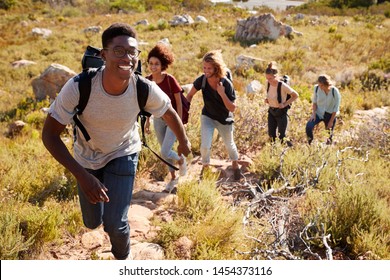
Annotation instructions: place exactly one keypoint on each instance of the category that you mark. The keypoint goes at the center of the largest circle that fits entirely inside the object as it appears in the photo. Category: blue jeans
(118, 177)
(208, 126)
(311, 124)
(166, 138)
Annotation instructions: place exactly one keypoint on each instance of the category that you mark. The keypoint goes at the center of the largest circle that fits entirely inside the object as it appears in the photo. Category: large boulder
(50, 82)
(181, 20)
(261, 27)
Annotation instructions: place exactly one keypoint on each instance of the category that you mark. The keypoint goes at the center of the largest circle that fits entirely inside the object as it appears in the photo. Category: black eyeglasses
(120, 52)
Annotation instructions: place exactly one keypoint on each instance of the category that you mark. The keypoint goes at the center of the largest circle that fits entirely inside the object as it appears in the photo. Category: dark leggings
(277, 119)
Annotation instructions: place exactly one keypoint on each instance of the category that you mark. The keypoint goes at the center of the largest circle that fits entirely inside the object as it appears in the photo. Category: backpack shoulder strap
(279, 92)
(85, 80)
(143, 87)
(332, 90)
(204, 82)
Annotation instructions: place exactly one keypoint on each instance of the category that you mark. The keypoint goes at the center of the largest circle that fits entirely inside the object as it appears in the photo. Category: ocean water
(274, 4)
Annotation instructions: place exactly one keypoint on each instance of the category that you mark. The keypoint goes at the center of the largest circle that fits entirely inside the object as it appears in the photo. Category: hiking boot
(171, 187)
(329, 141)
(183, 167)
(237, 174)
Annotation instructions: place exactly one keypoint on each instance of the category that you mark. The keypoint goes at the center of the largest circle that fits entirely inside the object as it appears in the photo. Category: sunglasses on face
(271, 71)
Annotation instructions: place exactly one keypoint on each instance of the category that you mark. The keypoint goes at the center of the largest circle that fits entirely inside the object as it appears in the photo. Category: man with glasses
(105, 166)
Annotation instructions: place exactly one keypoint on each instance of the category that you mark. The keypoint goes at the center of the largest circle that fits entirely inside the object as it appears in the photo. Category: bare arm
(330, 123)
(313, 115)
(191, 94)
(173, 121)
(179, 106)
(91, 186)
(294, 96)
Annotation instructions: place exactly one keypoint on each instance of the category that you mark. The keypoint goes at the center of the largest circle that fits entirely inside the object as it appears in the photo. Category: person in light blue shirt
(326, 105)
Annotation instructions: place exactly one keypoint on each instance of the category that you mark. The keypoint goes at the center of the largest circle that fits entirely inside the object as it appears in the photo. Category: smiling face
(208, 69)
(270, 78)
(121, 67)
(155, 66)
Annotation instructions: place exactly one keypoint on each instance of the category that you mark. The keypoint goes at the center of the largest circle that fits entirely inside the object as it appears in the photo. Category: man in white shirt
(105, 166)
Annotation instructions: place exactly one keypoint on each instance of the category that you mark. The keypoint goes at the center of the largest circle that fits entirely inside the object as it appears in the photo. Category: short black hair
(115, 30)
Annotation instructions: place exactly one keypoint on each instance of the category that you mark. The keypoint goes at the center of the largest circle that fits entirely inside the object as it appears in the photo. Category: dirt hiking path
(148, 202)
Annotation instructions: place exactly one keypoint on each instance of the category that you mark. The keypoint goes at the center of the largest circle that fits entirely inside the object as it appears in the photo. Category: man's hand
(93, 189)
(220, 89)
(184, 148)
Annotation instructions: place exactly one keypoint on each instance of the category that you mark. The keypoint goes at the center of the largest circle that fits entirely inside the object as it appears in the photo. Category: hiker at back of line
(326, 105)
(105, 166)
(280, 96)
(159, 58)
(217, 113)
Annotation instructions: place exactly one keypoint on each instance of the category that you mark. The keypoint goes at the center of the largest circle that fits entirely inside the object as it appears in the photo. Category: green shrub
(13, 242)
(332, 29)
(205, 219)
(127, 5)
(352, 211)
(7, 4)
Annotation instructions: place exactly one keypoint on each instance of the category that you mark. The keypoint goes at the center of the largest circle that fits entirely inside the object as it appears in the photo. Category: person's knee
(116, 230)
(92, 224)
(165, 153)
(309, 127)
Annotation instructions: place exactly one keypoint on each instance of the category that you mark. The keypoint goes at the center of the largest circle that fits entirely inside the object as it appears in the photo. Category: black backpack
(91, 63)
(286, 80)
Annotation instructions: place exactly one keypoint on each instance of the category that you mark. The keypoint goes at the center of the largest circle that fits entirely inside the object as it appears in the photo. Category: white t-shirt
(111, 121)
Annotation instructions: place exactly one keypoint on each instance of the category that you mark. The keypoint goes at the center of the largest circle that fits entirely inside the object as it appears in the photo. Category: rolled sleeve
(158, 102)
(63, 107)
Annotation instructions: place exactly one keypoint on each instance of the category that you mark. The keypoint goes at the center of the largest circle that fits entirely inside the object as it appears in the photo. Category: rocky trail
(147, 203)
